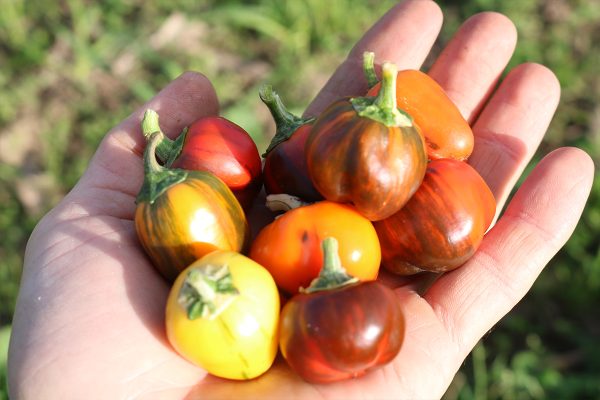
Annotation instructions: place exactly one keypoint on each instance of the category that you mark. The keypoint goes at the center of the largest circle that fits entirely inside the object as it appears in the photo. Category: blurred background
(72, 69)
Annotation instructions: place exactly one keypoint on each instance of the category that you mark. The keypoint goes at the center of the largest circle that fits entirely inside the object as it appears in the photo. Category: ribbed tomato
(443, 223)
(183, 215)
(366, 152)
(340, 328)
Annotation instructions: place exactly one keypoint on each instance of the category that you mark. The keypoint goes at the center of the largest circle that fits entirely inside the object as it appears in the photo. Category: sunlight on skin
(98, 329)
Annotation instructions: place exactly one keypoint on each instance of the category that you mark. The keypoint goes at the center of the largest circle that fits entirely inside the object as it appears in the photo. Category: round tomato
(183, 215)
(216, 145)
(222, 314)
(339, 328)
(290, 246)
(366, 152)
(442, 225)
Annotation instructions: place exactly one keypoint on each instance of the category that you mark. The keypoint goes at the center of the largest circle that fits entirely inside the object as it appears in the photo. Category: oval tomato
(183, 215)
(364, 151)
(338, 328)
(216, 145)
(290, 246)
(447, 134)
(222, 314)
(442, 225)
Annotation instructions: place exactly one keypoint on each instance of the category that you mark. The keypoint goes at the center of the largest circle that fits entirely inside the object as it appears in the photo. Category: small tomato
(222, 314)
(340, 328)
(290, 246)
(447, 134)
(443, 223)
(216, 145)
(366, 152)
(183, 215)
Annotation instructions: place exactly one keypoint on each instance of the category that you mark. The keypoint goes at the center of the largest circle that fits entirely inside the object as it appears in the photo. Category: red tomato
(216, 145)
(442, 224)
(340, 330)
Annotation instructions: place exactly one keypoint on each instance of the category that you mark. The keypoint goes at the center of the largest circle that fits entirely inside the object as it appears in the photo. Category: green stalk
(332, 275)
(286, 123)
(167, 150)
(383, 108)
(369, 68)
(207, 291)
(157, 178)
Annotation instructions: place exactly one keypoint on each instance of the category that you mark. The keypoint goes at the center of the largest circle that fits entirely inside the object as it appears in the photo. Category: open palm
(90, 315)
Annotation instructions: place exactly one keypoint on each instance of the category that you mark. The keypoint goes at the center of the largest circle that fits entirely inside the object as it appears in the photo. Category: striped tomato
(183, 215)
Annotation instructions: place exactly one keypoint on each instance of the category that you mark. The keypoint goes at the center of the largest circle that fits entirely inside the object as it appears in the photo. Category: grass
(72, 70)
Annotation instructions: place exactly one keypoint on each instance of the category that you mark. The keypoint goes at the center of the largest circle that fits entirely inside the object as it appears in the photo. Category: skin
(89, 321)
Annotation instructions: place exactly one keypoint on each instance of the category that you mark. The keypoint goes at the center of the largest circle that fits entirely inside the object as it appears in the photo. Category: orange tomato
(290, 246)
(189, 220)
(183, 215)
(447, 134)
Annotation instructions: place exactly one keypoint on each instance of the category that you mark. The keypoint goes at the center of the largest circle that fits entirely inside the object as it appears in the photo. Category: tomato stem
(332, 275)
(369, 68)
(157, 178)
(286, 123)
(167, 150)
(207, 291)
(383, 108)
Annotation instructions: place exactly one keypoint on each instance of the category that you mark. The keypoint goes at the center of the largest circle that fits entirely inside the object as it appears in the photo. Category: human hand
(89, 321)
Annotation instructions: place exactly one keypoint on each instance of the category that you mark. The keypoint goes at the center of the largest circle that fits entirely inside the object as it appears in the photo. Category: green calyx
(167, 150)
(286, 123)
(157, 178)
(332, 275)
(383, 107)
(207, 291)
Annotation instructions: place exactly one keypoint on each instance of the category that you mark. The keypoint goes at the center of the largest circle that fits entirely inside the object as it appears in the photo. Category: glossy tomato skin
(343, 333)
(290, 246)
(353, 159)
(442, 225)
(217, 145)
(240, 342)
(189, 220)
(285, 168)
(447, 134)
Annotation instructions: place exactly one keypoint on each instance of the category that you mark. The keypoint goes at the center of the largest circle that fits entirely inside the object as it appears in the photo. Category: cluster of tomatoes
(377, 180)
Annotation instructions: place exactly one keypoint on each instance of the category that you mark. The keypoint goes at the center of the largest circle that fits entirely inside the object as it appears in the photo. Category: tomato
(285, 168)
(366, 152)
(447, 134)
(222, 314)
(183, 215)
(442, 225)
(290, 246)
(340, 328)
(217, 145)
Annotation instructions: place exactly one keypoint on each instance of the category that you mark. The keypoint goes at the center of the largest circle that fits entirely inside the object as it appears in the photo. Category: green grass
(71, 72)
(4, 338)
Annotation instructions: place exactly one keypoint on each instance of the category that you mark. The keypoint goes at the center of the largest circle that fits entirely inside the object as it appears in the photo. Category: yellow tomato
(222, 314)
